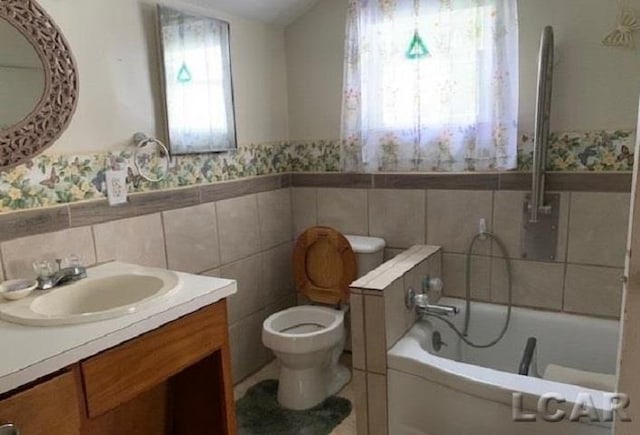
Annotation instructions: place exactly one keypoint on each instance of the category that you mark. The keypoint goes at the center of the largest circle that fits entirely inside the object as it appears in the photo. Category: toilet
(308, 340)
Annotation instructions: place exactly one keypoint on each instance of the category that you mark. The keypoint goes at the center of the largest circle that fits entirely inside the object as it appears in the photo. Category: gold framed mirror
(39, 97)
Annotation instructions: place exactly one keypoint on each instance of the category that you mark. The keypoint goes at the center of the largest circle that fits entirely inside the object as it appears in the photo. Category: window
(454, 109)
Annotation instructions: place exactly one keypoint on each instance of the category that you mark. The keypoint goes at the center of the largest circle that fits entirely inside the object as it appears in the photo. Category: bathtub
(461, 390)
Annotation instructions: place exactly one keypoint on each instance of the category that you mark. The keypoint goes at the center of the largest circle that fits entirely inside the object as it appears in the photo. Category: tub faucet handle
(432, 284)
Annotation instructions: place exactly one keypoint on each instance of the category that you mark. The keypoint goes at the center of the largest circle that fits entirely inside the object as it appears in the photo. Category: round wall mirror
(21, 76)
(38, 82)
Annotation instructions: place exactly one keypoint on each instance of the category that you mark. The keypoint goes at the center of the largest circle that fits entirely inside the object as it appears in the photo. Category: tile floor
(271, 370)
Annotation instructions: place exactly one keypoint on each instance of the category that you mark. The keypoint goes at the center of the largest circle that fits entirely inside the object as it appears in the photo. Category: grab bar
(543, 115)
(528, 358)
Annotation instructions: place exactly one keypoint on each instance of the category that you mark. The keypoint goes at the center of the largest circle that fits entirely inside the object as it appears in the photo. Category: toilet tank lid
(366, 245)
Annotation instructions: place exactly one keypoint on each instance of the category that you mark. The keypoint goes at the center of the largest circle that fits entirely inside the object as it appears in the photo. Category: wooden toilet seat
(324, 265)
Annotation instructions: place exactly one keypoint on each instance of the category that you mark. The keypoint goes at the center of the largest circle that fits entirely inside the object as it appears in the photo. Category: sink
(92, 299)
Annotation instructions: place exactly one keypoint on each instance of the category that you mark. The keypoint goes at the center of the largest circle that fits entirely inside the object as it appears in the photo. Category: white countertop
(28, 353)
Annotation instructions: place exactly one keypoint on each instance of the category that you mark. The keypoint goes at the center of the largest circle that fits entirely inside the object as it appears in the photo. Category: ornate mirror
(38, 82)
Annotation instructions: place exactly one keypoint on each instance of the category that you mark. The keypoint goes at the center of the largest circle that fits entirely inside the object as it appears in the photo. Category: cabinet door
(50, 407)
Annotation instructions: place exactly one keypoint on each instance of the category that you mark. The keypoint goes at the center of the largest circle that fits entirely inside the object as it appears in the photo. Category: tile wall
(379, 318)
(584, 278)
(244, 230)
(247, 238)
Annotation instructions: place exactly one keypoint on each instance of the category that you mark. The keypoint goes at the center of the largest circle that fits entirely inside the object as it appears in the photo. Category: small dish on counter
(17, 288)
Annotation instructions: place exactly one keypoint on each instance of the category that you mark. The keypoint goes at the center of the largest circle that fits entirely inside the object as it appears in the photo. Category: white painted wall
(114, 43)
(595, 86)
(315, 47)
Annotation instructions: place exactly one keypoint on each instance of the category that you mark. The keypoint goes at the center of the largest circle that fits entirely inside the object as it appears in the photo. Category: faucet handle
(432, 283)
(410, 298)
(45, 268)
(72, 260)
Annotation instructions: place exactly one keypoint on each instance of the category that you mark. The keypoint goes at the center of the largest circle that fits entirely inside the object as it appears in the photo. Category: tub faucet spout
(424, 307)
(438, 310)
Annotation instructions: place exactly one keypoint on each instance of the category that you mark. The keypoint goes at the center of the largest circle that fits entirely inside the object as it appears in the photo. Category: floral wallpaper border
(598, 150)
(58, 179)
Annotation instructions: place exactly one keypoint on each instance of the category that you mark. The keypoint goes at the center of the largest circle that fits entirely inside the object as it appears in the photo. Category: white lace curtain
(453, 109)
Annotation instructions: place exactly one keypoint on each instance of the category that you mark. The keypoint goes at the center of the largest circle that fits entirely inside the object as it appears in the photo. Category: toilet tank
(369, 252)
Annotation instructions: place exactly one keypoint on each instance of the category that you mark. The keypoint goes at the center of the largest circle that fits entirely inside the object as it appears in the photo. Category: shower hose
(467, 314)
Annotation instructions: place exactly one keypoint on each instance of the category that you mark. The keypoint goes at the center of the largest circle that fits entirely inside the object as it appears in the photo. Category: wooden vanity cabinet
(50, 407)
(172, 380)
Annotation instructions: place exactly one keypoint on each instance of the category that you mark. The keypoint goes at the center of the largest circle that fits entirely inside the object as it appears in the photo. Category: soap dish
(17, 288)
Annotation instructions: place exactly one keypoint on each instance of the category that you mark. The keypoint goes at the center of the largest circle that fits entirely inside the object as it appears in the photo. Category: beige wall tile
(398, 216)
(398, 318)
(598, 228)
(357, 331)
(247, 352)
(239, 228)
(361, 405)
(434, 265)
(288, 301)
(454, 273)
(535, 284)
(138, 240)
(305, 212)
(215, 273)
(377, 401)
(19, 254)
(415, 276)
(375, 334)
(453, 217)
(390, 253)
(191, 236)
(344, 209)
(508, 222)
(593, 290)
(250, 296)
(277, 267)
(275, 217)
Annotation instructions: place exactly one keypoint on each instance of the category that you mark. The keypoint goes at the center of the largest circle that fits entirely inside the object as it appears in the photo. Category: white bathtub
(466, 391)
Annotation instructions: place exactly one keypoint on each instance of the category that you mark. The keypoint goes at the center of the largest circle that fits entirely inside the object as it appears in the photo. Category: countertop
(28, 353)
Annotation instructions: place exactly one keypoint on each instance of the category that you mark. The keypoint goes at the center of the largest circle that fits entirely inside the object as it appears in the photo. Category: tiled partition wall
(240, 230)
(379, 318)
(444, 210)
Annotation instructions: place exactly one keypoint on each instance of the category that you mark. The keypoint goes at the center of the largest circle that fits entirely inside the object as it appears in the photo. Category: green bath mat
(260, 414)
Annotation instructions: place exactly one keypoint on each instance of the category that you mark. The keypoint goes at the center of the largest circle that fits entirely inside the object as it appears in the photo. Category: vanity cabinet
(50, 407)
(173, 380)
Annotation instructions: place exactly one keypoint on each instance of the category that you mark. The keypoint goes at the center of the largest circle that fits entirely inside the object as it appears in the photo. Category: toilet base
(304, 389)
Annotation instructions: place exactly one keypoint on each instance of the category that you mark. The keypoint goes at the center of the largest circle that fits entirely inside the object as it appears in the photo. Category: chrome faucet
(50, 275)
(420, 302)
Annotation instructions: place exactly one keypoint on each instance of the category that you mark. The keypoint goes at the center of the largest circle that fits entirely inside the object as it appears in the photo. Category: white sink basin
(92, 299)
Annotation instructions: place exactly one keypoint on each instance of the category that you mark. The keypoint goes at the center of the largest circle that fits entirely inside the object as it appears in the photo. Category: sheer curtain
(198, 87)
(454, 109)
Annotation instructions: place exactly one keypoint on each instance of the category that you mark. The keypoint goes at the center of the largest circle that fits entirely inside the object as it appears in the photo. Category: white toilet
(308, 340)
